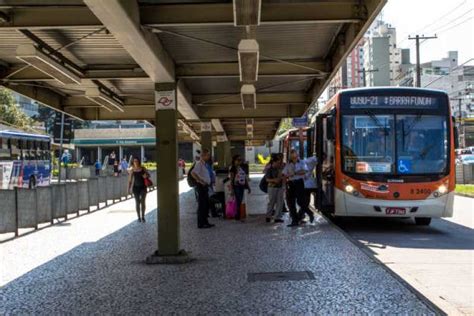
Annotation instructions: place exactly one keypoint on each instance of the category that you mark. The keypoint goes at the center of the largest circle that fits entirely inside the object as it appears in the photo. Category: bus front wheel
(423, 221)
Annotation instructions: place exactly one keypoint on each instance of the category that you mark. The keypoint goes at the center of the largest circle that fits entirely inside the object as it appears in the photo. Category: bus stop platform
(95, 265)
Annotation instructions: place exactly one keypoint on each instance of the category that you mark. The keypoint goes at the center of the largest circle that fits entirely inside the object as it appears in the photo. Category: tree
(46, 115)
(285, 125)
(11, 113)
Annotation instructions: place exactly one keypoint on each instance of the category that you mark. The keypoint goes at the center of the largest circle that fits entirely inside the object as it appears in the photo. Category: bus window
(422, 144)
(4, 149)
(367, 143)
(15, 149)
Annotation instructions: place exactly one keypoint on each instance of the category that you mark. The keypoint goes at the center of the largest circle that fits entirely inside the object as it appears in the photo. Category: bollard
(16, 213)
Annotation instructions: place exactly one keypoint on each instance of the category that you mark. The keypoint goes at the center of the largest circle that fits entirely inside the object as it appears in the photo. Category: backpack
(191, 181)
(263, 185)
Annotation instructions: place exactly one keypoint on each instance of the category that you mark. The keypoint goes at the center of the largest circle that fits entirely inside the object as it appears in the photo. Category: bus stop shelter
(206, 70)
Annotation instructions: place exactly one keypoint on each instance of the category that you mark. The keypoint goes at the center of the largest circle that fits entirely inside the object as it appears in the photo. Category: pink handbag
(231, 208)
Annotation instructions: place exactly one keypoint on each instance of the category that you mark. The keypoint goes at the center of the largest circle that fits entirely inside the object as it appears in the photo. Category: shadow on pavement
(403, 233)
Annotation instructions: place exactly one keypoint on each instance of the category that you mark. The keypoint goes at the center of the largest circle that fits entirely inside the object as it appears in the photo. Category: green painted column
(206, 135)
(228, 154)
(167, 173)
(220, 153)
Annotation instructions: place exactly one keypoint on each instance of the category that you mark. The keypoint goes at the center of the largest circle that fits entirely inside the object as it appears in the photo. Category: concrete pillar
(228, 154)
(220, 153)
(166, 119)
(142, 153)
(120, 153)
(99, 153)
(206, 135)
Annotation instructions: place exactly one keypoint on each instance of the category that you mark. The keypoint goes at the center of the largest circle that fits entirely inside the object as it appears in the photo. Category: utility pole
(364, 72)
(418, 68)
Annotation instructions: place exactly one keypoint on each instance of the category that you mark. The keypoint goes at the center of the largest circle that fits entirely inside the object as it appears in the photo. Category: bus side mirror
(456, 134)
(331, 127)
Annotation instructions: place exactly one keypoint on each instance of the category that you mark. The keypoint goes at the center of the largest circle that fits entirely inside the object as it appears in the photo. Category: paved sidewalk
(95, 266)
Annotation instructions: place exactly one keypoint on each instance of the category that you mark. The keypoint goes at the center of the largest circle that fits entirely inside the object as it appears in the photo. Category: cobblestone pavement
(95, 266)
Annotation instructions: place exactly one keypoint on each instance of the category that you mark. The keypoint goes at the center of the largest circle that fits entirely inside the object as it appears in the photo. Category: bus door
(325, 151)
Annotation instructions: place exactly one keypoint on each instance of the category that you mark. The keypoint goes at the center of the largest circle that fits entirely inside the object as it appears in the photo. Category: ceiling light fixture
(108, 101)
(46, 64)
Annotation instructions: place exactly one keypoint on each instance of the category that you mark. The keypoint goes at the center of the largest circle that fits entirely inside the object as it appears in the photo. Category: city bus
(386, 152)
(25, 159)
(300, 139)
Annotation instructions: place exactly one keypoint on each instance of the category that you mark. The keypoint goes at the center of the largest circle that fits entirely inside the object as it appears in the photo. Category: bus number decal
(420, 191)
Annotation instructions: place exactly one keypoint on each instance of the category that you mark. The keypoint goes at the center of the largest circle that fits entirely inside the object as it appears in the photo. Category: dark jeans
(139, 193)
(203, 204)
(296, 194)
(307, 201)
(239, 191)
(97, 172)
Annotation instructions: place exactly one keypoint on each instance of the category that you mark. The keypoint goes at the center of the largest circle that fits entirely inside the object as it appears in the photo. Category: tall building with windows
(382, 57)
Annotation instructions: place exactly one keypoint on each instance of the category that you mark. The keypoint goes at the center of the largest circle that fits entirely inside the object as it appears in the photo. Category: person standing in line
(285, 193)
(124, 164)
(274, 179)
(295, 171)
(136, 185)
(201, 174)
(112, 158)
(212, 176)
(309, 185)
(98, 167)
(116, 168)
(238, 182)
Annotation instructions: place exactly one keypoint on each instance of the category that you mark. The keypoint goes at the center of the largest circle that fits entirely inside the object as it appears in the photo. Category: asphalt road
(437, 260)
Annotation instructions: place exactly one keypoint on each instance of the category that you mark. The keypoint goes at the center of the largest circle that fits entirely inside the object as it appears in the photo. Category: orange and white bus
(300, 139)
(386, 152)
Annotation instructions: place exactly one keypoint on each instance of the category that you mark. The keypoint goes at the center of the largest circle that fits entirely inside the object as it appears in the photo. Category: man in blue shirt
(97, 166)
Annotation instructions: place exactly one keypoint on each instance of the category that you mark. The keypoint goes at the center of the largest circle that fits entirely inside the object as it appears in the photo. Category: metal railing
(28, 208)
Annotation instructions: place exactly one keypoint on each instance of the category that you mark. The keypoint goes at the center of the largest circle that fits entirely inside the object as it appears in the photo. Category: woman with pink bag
(238, 183)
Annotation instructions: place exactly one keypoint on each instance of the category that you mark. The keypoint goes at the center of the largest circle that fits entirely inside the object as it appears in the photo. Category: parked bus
(25, 159)
(300, 139)
(386, 152)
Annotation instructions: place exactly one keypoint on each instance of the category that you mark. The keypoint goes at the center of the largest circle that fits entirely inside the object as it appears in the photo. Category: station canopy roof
(243, 64)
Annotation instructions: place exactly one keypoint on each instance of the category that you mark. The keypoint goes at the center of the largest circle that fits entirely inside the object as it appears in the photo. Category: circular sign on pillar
(165, 100)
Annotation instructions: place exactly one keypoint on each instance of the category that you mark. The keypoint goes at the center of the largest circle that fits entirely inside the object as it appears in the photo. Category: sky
(451, 20)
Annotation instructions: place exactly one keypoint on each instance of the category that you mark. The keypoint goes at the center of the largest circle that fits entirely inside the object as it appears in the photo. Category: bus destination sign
(420, 102)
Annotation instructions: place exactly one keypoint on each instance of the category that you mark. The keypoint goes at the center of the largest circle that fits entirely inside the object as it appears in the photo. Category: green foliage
(465, 189)
(150, 165)
(285, 125)
(11, 113)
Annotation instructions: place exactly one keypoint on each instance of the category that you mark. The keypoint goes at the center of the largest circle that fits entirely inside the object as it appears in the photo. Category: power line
(452, 21)
(435, 21)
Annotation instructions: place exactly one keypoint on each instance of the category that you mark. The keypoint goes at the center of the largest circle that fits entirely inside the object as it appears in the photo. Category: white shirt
(309, 180)
(200, 170)
(291, 169)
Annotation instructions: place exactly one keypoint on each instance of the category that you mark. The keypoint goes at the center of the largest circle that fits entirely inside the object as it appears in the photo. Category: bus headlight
(443, 189)
(349, 188)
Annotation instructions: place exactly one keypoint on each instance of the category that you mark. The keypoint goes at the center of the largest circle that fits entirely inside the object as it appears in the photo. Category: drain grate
(280, 276)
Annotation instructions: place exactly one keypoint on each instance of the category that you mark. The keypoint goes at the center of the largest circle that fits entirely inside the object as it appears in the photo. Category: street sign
(300, 121)
(67, 132)
(165, 100)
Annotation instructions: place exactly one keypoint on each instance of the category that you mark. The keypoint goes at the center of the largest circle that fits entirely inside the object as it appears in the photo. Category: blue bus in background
(25, 159)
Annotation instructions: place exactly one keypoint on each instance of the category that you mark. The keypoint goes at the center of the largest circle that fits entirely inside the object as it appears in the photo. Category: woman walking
(136, 185)
(238, 182)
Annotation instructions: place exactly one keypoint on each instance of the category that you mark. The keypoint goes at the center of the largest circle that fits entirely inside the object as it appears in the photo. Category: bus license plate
(395, 211)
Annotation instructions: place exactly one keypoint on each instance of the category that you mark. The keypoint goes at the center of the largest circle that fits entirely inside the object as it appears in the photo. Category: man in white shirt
(294, 172)
(201, 174)
(309, 185)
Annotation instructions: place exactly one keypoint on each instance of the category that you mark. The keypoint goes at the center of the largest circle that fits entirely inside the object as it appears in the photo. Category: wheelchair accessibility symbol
(404, 166)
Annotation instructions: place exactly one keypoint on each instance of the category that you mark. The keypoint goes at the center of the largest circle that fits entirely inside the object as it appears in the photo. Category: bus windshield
(394, 144)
